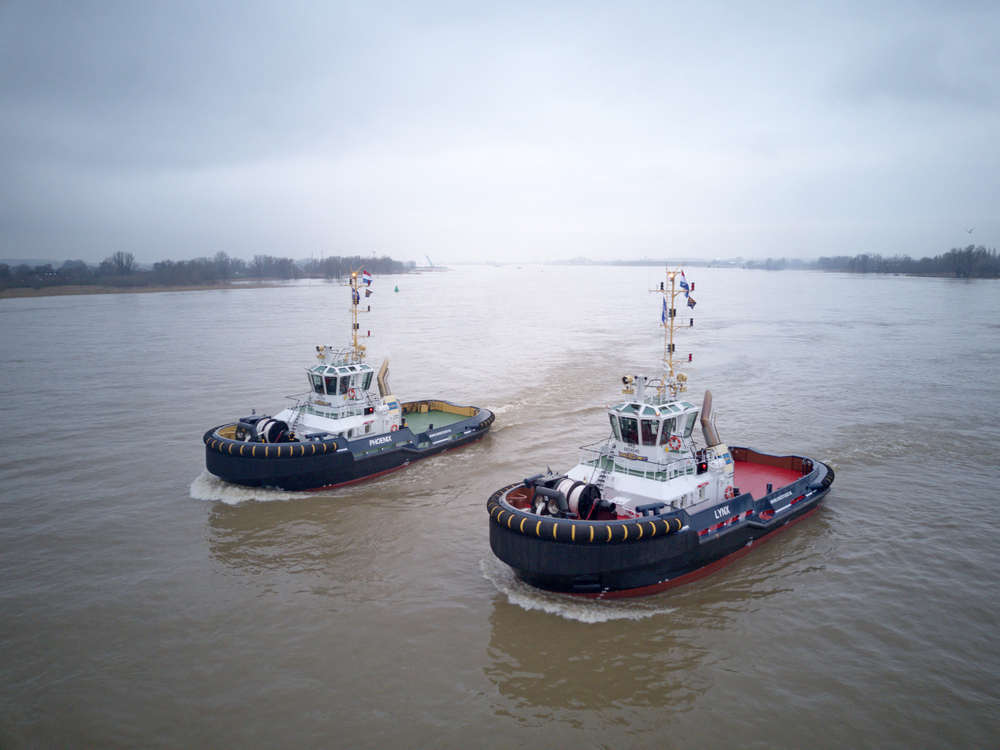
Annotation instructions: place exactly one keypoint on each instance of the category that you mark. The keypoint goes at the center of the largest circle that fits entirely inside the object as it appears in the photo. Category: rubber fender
(574, 531)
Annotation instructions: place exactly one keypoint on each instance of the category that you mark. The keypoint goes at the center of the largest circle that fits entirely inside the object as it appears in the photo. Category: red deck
(754, 478)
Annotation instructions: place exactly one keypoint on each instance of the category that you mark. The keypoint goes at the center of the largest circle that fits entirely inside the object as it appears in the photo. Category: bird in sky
(969, 230)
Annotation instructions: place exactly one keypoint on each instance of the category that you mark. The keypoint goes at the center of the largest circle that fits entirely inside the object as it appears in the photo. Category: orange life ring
(674, 443)
(394, 428)
(729, 493)
(351, 393)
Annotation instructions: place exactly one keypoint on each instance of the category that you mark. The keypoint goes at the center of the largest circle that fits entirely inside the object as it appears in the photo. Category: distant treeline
(122, 270)
(964, 263)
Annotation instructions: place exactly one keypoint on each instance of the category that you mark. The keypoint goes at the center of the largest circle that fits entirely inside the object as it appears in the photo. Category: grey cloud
(556, 130)
(915, 71)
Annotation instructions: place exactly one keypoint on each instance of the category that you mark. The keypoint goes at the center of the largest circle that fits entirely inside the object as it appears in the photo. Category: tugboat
(339, 431)
(648, 509)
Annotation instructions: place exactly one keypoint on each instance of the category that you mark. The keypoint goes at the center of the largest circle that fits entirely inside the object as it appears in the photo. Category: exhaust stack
(707, 424)
(383, 378)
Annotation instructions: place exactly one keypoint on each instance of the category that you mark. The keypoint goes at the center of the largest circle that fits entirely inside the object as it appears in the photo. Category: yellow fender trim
(632, 529)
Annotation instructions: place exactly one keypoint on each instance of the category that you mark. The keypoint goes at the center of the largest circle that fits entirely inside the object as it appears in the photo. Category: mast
(675, 286)
(357, 349)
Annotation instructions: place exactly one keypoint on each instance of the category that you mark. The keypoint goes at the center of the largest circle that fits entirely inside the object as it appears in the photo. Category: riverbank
(70, 289)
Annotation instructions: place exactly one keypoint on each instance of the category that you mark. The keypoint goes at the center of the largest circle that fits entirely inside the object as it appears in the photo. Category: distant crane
(429, 260)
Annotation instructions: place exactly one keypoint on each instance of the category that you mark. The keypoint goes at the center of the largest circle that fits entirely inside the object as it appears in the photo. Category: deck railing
(301, 403)
(602, 459)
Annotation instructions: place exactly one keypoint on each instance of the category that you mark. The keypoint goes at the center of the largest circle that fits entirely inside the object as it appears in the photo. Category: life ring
(394, 428)
(351, 393)
(674, 443)
(729, 493)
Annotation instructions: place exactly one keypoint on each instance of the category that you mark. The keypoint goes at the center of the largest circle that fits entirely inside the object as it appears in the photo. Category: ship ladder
(601, 479)
(299, 409)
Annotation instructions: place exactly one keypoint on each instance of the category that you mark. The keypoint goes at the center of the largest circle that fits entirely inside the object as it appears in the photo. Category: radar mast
(357, 353)
(672, 383)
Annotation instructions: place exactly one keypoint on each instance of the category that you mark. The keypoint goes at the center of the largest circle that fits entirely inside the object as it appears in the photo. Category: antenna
(357, 348)
(674, 286)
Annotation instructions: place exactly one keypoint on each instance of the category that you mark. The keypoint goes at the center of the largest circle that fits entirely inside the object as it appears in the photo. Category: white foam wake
(209, 487)
(564, 605)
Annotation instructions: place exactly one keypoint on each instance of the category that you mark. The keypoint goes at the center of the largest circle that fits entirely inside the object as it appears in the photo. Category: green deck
(419, 422)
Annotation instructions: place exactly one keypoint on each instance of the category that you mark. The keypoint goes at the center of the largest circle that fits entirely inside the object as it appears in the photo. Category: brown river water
(143, 603)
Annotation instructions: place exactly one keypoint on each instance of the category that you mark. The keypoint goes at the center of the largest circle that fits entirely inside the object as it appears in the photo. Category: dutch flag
(366, 277)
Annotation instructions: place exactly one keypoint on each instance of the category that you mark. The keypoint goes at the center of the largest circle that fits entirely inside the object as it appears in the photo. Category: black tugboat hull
(322, 464)
(644, 556)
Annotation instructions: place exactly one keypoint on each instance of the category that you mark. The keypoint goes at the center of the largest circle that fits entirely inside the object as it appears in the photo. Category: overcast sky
(498, 130)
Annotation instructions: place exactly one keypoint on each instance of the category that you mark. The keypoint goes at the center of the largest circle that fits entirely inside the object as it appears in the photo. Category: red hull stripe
(366, 477)
(728, 522)
(694, 575)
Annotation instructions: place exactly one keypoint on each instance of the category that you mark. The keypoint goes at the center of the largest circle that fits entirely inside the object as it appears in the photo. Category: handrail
(334, 411)
(668, 469)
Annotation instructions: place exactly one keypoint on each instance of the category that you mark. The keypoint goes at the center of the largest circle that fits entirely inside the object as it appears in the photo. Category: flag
(368, 292)
(691, 302)
(684, 282)
(357, 297)
(367, 278)
(663, 317)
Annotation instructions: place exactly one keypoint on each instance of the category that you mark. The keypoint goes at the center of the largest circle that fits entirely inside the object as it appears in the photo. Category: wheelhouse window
(692, 418)
(317, 383)
(331, 384)
(668, 429)
(367, 381)
(650, 428)
(614, 427)
(345, 384)
(630, 430)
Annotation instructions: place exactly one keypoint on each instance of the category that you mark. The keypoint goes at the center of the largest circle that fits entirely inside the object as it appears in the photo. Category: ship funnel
(707, 428)
(383, 375)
